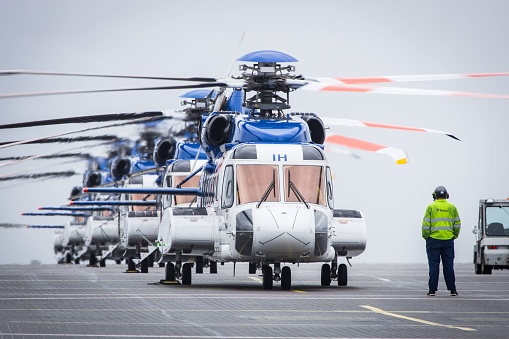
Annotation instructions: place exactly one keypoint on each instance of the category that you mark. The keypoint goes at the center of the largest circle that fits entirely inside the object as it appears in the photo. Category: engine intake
(120, 167)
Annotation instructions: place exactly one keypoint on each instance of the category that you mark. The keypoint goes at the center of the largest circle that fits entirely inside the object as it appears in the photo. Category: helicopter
(220, 139)
(274, 225)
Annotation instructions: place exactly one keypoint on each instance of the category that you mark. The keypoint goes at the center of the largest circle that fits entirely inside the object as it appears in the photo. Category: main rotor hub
(267, 77)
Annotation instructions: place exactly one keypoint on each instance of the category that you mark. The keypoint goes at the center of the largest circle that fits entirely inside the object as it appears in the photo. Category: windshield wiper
(272, 186)
(296, 191)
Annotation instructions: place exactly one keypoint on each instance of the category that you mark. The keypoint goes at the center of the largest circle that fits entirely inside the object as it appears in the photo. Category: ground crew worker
(440, 226)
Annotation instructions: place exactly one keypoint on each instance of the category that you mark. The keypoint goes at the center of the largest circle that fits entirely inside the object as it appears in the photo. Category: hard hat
(440, 192)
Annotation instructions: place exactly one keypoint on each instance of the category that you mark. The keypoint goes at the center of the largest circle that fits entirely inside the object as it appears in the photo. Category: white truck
(491, 249)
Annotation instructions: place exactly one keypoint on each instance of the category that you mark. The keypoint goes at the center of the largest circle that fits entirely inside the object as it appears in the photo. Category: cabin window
(193, 182)
(304, 182)
(257, 182)
(227, 189)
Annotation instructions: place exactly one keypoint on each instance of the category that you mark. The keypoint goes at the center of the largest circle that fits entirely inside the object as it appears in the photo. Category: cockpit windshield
(304, 184)
(142, 197)
(193, 182)
(497, 221)
(253, 182)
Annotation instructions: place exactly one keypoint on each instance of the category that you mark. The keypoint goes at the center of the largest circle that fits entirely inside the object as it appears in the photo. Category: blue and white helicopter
(265, 194)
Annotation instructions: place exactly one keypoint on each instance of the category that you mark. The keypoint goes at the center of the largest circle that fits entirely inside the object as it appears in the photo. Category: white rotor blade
(357, 123)
(406, 78)
(398, 155)
(336, 87)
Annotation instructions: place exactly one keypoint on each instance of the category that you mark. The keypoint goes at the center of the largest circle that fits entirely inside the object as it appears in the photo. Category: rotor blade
(84, 119)
(51, 214)
(137, 121)
(36, 94)
(113, 203)
(25, 72)
(406, 78)
(46, 175)
(332, 87)
(53, 156)
(7, 225)
(133, 190)
(357, 123)
(77, 208)
(398, 155)
(69, 140)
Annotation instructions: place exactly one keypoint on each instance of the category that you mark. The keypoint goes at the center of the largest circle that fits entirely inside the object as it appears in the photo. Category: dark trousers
(436, 250)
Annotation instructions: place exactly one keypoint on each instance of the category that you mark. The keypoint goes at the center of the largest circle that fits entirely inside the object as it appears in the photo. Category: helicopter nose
(284, 232)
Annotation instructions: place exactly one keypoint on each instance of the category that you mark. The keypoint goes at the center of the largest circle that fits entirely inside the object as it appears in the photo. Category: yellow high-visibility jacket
(441, 221)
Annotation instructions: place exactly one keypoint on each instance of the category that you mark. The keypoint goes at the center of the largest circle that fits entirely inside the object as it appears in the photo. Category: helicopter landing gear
(252, 268)
(326, 275)
(286, 278)
(144, 265)
(213, 267)
(342, 275)
(199, 265)
(186, 274)
(267, 277)
(131, 266)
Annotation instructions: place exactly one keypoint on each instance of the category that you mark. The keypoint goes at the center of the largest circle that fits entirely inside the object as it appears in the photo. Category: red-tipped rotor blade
(399, 156)
(334, 87)
(358, 123)
(407, 78)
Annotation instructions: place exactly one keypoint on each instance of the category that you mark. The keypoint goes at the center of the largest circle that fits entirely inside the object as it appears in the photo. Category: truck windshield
(497, 220)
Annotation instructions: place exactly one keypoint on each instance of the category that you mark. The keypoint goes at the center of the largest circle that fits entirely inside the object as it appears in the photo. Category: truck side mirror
(474, 229)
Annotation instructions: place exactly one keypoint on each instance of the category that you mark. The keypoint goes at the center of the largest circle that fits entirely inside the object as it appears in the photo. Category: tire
(486, 269)
(286, 278)
(144, 266)
(478, 267)
(169, 272)
(213, 267)
(267, 278)
(252, 268)
(102, 263)
(186, 274)
(326, 279)
(342, 275)
(199, 265)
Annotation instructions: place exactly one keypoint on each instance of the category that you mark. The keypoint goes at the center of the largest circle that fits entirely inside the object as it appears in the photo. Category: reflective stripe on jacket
(441, 221)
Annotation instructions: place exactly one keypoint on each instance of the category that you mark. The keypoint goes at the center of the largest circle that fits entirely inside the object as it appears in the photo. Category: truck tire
(478, 267)
(486, 269)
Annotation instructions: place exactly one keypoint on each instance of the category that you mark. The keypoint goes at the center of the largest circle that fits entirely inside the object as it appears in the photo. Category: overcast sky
(329, 38)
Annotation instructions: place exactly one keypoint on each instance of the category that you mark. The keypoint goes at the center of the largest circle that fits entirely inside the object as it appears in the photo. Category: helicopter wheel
(186, 274)
(213, 267)
(267, 277)
(252, 268)
(326, 275)
(199, 264)
(151, 260)
(144, 266)
(102, 263)
(286, 278)
(342, 275)
(169, 272)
